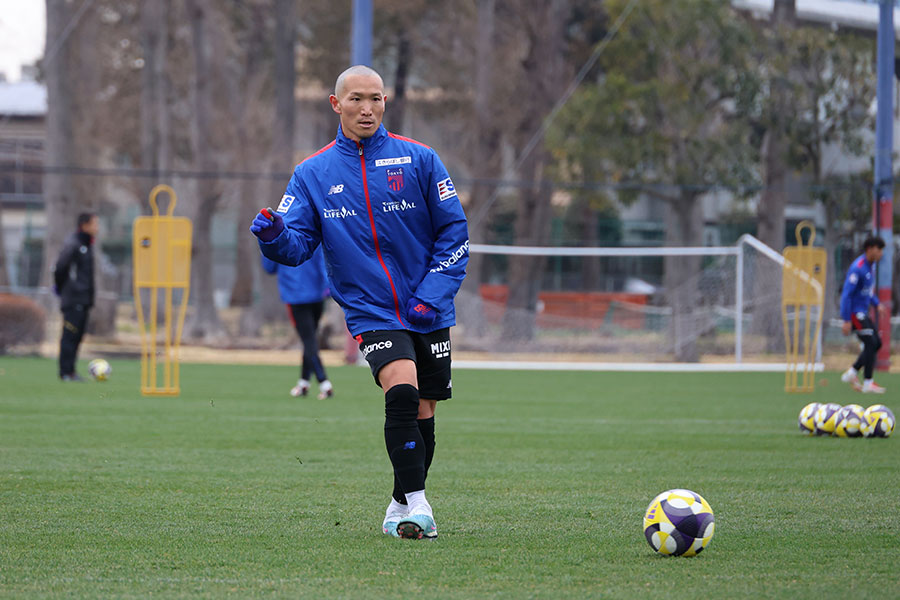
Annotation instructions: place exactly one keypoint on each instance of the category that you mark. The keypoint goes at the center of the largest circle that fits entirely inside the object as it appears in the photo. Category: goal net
(703, 308)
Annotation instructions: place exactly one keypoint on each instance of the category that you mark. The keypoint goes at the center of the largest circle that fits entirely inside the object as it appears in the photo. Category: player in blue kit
(857, 297)
(303, 290)
(385, 211)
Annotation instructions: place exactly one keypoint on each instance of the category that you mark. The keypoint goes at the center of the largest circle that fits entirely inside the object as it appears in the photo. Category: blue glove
(420, 314)
(267, 225)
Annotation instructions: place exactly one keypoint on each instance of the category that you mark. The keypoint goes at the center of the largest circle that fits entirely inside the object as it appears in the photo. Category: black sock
(426, 428)
(403, 440)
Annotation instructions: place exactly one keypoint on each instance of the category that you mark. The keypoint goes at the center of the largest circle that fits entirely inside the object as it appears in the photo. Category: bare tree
(60, 67)
(543, 75)
(205, 323)
(155, 136)
(276, 160)
(770, 213)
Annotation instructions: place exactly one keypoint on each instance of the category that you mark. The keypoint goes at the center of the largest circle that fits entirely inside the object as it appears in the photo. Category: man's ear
(335, 105)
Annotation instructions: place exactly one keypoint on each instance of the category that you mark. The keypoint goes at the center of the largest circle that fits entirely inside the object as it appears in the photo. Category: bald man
(396, 244)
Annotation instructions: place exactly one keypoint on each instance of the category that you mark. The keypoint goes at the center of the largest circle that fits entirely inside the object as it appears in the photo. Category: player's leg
(391, 357)
(433, 375)
(872, 344)
(302, 388)
(326, 390)
(433, 364)
(851, 375)
(74, 323)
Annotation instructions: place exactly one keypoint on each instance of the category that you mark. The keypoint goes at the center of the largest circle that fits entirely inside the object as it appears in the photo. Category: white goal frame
(737, 251)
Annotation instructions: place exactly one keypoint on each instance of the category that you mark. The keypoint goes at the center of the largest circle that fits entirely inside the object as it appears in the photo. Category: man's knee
(401, 406)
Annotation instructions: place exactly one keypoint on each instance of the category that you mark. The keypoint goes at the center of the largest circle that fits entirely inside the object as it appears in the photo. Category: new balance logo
(453, 259)
(342, 213)
(441, 349)
(377, 346)
(336, 189)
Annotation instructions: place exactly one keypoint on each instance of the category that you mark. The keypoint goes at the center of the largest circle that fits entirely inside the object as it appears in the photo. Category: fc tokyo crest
(395, 179)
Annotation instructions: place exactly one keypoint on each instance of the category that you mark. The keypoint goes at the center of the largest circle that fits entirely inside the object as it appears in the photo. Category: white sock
(417, 503)
(852, 371)
(325, 386)
(303, 382)
(395, 507)
(868, 382)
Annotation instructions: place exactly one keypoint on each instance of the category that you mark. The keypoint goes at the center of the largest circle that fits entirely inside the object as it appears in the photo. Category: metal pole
(739, 304)
(361, 37)
(883, 201)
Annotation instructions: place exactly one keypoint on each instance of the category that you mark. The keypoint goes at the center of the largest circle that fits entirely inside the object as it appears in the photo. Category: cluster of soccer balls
(99, 369)
(846, 421)
(679, 523)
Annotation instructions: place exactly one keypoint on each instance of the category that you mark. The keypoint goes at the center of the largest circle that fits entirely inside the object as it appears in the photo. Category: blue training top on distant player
(859, 289)
(303, 284)
(387, 215)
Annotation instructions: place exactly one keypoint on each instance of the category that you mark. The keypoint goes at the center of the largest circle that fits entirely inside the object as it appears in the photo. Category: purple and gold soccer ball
(807, 419)
(826, 418)
(878, 421)
(850, 421)
(679, 523)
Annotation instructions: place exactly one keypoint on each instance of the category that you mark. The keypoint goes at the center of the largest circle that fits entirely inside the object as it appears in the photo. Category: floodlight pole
(883, 198)
(361, 37)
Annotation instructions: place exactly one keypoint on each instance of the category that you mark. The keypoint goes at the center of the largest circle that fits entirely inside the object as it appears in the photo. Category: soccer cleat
(849, 375)
(301, 389)
(870, 387)
(71, 377)
(326, 390)
(417, 526)
(392, 518)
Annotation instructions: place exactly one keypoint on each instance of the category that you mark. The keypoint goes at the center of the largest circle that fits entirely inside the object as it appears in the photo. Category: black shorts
(430, 352)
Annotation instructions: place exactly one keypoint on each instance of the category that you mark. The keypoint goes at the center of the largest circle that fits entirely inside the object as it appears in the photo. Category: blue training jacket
(390, 222)
(303, 284)
(859, 289)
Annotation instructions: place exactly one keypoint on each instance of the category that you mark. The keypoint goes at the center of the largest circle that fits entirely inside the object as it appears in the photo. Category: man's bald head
(354, 70)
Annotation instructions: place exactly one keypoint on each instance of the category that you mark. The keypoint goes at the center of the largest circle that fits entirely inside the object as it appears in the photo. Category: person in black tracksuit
(73, 278)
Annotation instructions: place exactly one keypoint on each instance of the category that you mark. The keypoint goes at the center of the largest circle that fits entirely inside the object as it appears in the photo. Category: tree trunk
(246, 94)
(684, 227)
(590, 265)
(205, 323)
(397, 112)
(59, 71)
(155, 123)
(544, 28)
(485, 165)
(4, 275)
(267, 306)
(532, 228)
(770, 211)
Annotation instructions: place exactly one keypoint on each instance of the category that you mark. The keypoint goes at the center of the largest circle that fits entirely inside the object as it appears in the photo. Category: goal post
(622, 317)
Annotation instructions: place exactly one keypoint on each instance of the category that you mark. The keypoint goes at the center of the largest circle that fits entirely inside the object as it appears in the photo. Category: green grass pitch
(539, 484)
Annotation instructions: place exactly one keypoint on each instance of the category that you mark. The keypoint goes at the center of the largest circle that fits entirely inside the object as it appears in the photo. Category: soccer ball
(878, 421)
(679, 523)
(850, 421)
(807, 418)
(99, 369)
(826, 418)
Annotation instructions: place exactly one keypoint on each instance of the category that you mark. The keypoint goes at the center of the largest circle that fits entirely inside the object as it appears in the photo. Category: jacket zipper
(365, 182)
